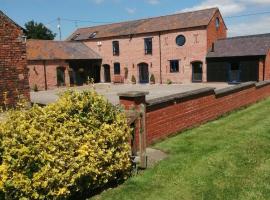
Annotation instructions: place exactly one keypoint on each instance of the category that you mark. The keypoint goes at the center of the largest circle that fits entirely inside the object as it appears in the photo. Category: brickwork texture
(13, 70)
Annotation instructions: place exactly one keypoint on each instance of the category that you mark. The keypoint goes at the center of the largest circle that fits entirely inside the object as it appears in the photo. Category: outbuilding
(239, 59)
(53, 64)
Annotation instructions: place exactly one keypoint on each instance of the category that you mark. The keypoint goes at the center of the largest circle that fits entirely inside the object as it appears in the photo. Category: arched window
(143, 73)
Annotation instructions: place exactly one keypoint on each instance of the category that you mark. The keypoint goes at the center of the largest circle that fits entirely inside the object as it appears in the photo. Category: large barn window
(116, 49)
(148, 46)
(174, 66)
(117, 69)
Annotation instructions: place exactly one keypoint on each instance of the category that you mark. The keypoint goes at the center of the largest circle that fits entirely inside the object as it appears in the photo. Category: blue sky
(95, 12)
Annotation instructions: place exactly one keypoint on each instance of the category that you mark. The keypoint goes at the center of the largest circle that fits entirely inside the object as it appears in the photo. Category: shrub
(133, 79)
(35, 88)
(152, 78)
(78, 143)
(169, 82)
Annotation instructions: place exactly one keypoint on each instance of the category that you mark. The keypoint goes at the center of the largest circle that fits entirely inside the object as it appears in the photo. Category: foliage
(36, 30)
(152, 78)
(35, 88)
(225, 159)
(169, 82)
(133, 79)
(78, 143)
(126, 72)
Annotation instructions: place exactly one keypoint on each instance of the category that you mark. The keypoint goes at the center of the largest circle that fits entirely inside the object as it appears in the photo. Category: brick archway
(143, 72)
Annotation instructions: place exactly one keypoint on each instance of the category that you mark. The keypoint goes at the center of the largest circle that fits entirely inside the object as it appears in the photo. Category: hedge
(78, 143)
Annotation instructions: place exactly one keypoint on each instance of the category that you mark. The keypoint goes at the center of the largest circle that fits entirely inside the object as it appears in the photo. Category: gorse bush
(78, 143)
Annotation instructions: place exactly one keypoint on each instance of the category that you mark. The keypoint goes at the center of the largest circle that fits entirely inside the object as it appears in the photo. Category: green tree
(36, 30)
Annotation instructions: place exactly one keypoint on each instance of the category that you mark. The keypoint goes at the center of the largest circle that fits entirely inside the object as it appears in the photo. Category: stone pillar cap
(133, 94)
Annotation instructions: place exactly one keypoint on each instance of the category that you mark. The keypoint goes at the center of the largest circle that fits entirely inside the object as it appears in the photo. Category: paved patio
(110, 90)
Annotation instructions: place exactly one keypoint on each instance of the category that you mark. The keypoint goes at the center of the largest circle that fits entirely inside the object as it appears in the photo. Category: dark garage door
(221, 71)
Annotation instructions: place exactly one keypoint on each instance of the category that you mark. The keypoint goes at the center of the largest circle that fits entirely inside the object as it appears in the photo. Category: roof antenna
(59, 28)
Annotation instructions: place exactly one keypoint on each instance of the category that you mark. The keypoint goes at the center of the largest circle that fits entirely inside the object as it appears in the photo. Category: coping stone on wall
(229, 90)
(176, 98)
(132, 94)
(262, 84)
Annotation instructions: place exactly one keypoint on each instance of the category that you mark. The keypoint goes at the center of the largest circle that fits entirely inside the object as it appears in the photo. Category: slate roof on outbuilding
(59, 50)
(252, 45)
(170, 22)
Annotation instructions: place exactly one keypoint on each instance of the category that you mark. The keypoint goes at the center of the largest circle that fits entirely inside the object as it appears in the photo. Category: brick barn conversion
(13, 63)
(172, 47)
(180, 48)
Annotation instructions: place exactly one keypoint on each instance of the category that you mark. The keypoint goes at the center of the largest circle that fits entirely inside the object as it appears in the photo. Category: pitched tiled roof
(62, 50)
(253, 45)
(150, 25)
(9, 19)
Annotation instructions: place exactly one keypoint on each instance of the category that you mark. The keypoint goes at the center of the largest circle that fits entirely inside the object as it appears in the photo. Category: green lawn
(225, 159)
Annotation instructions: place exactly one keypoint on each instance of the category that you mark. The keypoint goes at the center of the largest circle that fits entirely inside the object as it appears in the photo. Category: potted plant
(126, 72)
(169, 82)
(133, 79)
(35, 88)
(152, 79)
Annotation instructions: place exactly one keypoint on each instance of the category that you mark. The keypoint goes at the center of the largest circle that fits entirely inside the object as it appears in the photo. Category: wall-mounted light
(22, 38)
(99, 44)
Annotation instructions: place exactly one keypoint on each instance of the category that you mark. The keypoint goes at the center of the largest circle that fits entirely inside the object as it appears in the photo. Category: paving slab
(154, 156)
(110, 91)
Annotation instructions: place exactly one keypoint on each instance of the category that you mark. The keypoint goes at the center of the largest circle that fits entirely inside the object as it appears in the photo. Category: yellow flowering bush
(78, 143)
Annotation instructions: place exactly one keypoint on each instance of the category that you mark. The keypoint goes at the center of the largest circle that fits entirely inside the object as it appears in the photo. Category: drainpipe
(264, 69)
(45, 75)
(160, 54)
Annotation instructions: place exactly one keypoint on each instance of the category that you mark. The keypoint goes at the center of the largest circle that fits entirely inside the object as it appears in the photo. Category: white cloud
(250, 27)
(153, 2)
(257, 2)
(227, 7)
(130, 10)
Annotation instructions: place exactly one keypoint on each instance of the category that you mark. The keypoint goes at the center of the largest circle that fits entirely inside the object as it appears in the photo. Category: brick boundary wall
(169, 115)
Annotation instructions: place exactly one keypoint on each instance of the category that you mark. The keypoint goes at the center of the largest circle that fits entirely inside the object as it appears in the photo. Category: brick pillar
(267, 66)
(261, 69)
(136, 101)
(102, 77)
(133, 99)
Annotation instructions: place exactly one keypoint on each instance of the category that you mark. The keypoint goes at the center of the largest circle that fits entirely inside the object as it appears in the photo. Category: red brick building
(13, 63)
(172, 47)
(53, 64)
(239, 59)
